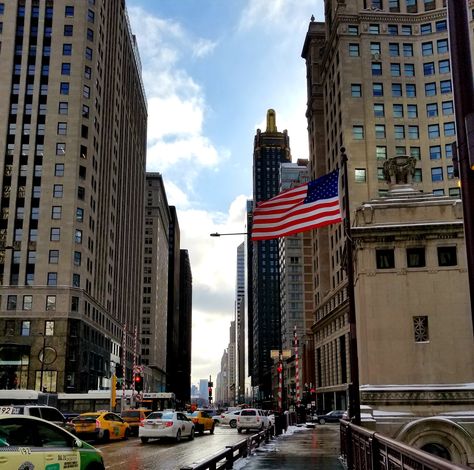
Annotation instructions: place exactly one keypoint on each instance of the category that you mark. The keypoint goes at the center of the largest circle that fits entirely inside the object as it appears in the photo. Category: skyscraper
(240, 323)
(379, 84)
(271, 148)
(73, 134)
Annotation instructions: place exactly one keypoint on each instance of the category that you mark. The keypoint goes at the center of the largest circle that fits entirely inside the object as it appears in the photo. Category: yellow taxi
(101, 426)
(27, 442)
(202, 421)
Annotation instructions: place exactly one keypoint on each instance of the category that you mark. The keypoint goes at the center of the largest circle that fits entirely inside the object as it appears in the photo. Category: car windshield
(85, 418)
(248, 413)
(130, 414)
(160, 415)
(194, 414)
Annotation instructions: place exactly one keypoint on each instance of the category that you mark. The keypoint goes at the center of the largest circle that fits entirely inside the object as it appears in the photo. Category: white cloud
(176, 103)
(283, 13)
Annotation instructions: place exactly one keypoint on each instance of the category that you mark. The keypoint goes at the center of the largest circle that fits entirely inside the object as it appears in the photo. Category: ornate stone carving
(399, 170)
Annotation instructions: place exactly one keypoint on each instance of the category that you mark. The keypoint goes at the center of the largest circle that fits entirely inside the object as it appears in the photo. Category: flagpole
(354, 398)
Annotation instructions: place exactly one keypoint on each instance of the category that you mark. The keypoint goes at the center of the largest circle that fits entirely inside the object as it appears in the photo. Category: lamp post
(42, 358)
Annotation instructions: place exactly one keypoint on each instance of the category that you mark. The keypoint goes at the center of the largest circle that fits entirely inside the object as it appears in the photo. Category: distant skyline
(211, 70)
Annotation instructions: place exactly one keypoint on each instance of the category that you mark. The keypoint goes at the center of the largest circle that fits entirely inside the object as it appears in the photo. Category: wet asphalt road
(304, 448)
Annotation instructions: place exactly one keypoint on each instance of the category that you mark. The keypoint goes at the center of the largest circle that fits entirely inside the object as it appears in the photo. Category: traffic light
(119, 371)
(210, 394)
(279, 368)
(138, 380)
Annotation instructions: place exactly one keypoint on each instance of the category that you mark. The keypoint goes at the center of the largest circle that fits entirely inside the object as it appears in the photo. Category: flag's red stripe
(295, 209)
(296, 229)
(298, 221)
(291, 195)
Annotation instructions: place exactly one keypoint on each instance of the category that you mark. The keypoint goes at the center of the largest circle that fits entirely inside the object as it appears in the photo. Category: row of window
(401, 131)
(435, 151)
(395, 29)
(415, 257)
(410, 6)
(55, 234)
(431, 89)
(410, 110)
(51, 279)
(437, 175)
(53, 257)
(27, 303)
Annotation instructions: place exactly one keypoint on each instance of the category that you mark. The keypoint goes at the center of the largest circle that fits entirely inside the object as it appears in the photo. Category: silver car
(166, 424)
(252, 418)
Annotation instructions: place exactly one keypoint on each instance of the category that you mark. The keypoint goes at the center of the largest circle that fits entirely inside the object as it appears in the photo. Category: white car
(167, 424)
(252, 418)
(229, 418)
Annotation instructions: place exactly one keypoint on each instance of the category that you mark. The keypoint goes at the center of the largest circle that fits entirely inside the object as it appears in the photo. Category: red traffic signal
(138, 378)
(210, 391)
(279, 368)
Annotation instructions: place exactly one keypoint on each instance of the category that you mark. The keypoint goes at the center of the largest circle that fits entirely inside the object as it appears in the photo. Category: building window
(376, 68)
(76, 280)
(64, 88)
(58, 190)
(52, 279)
(49, 328)
(449, 129)
(416, 258)
(11, 302)
(415, 152)
(426, 28)
(395, 70)
(447, 107)
(407, 30)
(354, 50)
(353, 29)
(65, 68)
(56, 212)
(360, 175)
(77, 258)
(394, 6)
(69, 11)
(90, 16)
(379, 110)
(374, 29)
(427, 48)
(450, 172)
(420, 329)
(408, 50)
(25, 328)
(50, 302)
(418, 176)
(377, 89)
(444, 66)
(67, 49)
(27, 302)
(394, 49)
(409, 70)
(358, 132)
(442, 46)
(356, 90)
(385, 258)
(441, 25)
(53, 257)
(445, 86)
(74, 304)
(59, 169)
(435, 152)
(436, 174)
(392, 29)
(410, 90)
(381, 152)
(433, 131)
(88, 53)
(429, 68)
(413, 132)
(396, 90)
(379, 131)
(60, 148)
(78, 236)
(62, 128)
(432, 109)
(398, 110)
(455, 192)
(447, 256)
(412, 111)
(55, 234)
(399, 132)
(68, 29)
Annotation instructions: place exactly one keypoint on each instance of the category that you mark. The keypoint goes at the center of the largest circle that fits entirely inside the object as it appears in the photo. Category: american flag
(305, 207)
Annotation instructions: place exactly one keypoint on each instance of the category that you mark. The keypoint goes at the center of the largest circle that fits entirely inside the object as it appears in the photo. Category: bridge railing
(225, 458)
(362, 449)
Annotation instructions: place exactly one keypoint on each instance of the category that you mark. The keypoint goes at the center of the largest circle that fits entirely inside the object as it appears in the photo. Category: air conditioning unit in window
(376, 56)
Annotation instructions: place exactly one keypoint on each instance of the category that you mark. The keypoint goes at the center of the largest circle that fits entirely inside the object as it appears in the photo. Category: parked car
(48, 413)
(229, 418)
(134, 418)
(29, 442)
(202, 421)
(331, 417)
(166, 424)
(252, 418)
(101, 425)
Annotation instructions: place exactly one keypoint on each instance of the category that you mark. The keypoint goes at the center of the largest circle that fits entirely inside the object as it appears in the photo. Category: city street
(166, 455)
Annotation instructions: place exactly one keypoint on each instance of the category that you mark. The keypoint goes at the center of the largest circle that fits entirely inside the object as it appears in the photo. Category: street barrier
(362, 449)
(225, 458)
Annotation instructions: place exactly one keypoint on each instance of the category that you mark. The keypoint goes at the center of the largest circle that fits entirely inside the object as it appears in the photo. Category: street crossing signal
(210, 394)
(138, 380)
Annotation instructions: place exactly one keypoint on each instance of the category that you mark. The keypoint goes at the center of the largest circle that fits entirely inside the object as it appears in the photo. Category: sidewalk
(299, 448)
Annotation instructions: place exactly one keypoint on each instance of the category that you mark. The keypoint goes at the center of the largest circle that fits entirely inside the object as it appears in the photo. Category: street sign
(286, 353)
(275, 353)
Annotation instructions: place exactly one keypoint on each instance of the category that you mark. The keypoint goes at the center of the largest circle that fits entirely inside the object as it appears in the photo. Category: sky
(211, 70)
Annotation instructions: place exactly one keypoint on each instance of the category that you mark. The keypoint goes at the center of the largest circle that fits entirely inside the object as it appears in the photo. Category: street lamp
(216, 234)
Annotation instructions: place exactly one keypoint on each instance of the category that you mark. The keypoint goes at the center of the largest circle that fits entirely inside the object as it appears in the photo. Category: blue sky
(211, 69)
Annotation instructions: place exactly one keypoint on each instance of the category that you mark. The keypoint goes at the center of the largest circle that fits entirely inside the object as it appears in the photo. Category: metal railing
(362, 449)
(225, 458)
